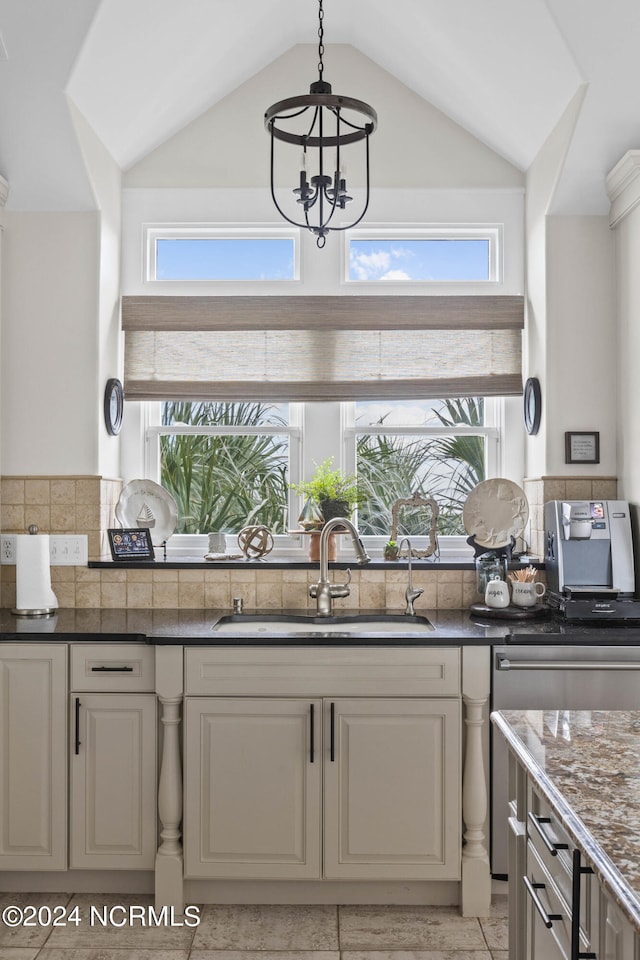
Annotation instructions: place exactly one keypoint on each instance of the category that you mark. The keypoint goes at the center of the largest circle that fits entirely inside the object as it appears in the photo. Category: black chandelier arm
(289, 116)
(354, 223)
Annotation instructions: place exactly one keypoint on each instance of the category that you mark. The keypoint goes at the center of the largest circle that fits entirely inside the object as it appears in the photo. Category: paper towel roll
(33, 576)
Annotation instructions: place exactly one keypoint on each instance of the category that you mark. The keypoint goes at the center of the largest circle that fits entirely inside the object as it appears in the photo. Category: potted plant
(335, 492)
(391, 550)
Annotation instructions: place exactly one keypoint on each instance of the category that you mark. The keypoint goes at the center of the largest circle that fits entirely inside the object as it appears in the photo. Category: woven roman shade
(321, 348)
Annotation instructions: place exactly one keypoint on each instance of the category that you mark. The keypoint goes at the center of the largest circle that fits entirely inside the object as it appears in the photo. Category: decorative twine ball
(255, 542)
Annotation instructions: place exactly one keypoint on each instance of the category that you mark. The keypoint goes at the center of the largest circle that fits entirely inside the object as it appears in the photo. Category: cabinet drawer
(122, 667)
(546, 835)
(553, 938)
(314, 671)
(551, 843)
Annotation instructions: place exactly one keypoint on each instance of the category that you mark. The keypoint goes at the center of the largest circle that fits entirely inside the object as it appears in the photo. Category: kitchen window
(231, 464)
(227, 465)
(438, 448)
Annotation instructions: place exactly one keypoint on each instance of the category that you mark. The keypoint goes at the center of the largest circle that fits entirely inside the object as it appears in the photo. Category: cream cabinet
(391, 789)
(112, 816)
(113, 781)
(253, 777)
(377, 779)
(618, 939)
(322, 785)
(33, 767)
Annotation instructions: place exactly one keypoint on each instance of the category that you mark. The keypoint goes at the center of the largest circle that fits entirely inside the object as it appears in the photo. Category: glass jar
(489, 567)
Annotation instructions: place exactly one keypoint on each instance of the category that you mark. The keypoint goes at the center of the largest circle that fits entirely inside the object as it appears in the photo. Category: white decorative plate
(144, 503)
(495, 511)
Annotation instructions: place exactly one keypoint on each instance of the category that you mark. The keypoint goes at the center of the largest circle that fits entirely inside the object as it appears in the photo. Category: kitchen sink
(392, 624)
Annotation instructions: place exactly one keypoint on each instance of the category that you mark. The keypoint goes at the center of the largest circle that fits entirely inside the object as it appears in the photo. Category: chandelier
(323, 125)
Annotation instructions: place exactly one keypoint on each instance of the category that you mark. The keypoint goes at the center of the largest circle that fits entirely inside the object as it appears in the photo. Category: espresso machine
(589, 560)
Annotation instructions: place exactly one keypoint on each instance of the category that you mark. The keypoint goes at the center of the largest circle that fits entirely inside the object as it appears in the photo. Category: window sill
(284, 563)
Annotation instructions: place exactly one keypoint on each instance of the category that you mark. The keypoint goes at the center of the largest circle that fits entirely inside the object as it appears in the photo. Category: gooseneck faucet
(410, 594)
(324, 591)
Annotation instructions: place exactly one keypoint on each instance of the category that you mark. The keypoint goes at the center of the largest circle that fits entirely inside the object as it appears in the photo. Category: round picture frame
(113, 406)
(532, 405)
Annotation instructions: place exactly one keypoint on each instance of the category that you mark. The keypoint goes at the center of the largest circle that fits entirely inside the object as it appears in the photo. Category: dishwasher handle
(505, 663)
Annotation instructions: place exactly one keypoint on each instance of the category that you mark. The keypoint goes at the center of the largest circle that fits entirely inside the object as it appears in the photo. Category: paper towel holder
(33, 530)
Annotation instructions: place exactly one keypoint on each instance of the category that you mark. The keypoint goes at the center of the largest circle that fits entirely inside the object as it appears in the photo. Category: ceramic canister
(497, 594)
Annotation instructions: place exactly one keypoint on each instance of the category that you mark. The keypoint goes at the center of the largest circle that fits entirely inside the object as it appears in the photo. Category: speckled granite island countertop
(587, 766)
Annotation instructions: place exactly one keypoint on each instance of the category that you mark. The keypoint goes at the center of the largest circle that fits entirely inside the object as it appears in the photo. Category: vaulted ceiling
(140, 70)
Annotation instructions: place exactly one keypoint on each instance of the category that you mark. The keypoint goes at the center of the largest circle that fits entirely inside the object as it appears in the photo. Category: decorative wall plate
(144, 503)
(495, 511)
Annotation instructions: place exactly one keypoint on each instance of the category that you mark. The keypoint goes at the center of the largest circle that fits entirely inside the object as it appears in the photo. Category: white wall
(581, 339)
(628, 394)
(106, 180)
(415, 144)
(49, 357)
(542, 180)
(4, 190)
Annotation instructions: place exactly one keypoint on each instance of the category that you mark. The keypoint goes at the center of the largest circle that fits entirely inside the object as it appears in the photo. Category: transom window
(199, 254)
(436, 255)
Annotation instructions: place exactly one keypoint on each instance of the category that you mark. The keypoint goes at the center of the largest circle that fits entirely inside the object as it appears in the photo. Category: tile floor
(314, 932)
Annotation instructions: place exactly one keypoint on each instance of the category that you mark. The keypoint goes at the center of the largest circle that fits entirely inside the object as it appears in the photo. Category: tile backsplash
(87, 505)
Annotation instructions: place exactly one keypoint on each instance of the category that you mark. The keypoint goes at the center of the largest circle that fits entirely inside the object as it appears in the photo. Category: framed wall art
(582, 447)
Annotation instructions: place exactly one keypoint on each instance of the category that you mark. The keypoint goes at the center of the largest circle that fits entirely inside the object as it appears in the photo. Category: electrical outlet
(7, 548)
(68, 550)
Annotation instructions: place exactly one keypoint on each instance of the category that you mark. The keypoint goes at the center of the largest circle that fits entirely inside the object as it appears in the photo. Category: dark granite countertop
(181, 626)
(586, 764)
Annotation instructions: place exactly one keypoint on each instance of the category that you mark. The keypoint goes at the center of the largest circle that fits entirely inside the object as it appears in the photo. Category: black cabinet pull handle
(551, 845)
(311, 732)
(547, 918)
(332, 734)
(112, 669)
(77, 732)
(578, 872)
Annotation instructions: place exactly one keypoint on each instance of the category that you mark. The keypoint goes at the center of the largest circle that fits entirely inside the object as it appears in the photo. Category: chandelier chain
(320, 39)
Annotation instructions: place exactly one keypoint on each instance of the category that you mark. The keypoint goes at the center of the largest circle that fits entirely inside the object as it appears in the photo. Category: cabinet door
(252, 788)
(616, 932)
(113, 781)
(33, 750)
(392, 789)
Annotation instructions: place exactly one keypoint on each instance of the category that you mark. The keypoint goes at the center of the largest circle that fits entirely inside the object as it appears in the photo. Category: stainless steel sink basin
(391, 624)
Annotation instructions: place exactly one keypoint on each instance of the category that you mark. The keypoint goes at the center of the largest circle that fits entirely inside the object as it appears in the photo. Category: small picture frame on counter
(582, 447)
(131, 544)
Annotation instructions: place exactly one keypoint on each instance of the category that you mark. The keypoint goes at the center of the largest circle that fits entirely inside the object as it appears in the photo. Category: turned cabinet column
(476, 873)
(169, 859)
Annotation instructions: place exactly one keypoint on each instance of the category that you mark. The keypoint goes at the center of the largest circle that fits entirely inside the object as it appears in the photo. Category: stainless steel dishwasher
(548, 676)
